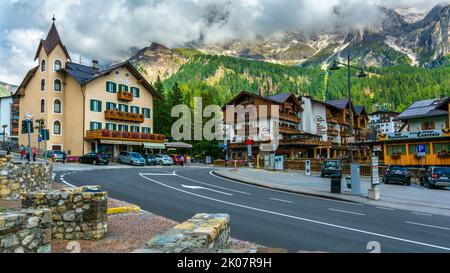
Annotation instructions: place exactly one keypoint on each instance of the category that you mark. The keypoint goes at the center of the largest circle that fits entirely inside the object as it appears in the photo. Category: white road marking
(346, 211)
(421, 213)
(203, 188)
(64, 181)
(281, 200)
(301, 218)
(209, 185)
(158, 174)
(425, 225)
(384, 208)
(285, 192)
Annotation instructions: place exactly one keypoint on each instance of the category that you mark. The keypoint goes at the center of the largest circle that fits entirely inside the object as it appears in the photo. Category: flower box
(116, 134)
(125, 134)
(105, 133)
(135, 135)
(396, 156)
(144, 136)
(443, 154)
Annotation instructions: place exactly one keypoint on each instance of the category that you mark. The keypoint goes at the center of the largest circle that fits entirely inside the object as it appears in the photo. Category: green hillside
(223, 77)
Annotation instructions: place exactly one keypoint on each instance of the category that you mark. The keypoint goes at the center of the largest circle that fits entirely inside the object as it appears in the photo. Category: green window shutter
(92, 105)
(138, 93)
(107, 86)
(99, 106)
(114, 87)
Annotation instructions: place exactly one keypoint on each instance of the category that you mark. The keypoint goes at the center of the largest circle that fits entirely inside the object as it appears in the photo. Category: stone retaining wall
(25, 231)
(76, 214)
(18, 177)
(204, 231)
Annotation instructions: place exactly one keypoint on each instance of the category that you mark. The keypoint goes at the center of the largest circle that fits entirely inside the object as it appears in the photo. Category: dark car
(331, 167)
(95, 158)
(436, 177)
(397, 174)
(150, 159)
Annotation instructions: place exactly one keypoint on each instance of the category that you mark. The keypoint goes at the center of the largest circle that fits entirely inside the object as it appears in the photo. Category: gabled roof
(425, 108)
(26, 80)
(84, 74)
(360, 110)
(277, 99)
(51, 42)
(280, 98)
(340, 104)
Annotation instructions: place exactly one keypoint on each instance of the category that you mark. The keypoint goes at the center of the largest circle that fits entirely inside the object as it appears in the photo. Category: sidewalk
(413, 198)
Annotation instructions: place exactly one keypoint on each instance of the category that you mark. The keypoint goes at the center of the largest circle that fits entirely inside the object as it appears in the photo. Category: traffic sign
(421, 148)
(39, 139)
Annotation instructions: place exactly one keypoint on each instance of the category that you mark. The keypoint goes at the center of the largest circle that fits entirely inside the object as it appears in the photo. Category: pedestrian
(22, 152)
(34, 152)
(28, 151)
(182, 161)
(64, 157)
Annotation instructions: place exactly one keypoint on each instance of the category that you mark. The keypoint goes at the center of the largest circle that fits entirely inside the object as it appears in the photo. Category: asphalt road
(268, 217)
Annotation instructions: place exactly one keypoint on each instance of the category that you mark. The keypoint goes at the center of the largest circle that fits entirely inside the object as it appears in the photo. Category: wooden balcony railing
(125, 96)
(123, 116)
(332, 119)
(332, 132)
(288, 130)
(290, 118)
(123, 136)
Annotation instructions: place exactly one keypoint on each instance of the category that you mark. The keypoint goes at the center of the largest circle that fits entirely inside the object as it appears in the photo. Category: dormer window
(43, 65)
(57, 65)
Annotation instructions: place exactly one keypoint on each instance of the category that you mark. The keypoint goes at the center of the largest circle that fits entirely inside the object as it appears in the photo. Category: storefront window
(413, 148)
(397, 149)
(439, 147)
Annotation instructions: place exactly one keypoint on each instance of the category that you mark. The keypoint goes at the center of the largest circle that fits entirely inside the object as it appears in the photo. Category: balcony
(344, 133)
(288, 130)
(124, 96)
(332, 132)
(290, 118)
(124, 136)
(124, 116)
(332, 119)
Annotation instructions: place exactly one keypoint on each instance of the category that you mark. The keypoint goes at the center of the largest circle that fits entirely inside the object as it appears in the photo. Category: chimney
(95, 64)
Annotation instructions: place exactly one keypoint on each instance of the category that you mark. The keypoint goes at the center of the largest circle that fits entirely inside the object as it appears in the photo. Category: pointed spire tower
(52, 41)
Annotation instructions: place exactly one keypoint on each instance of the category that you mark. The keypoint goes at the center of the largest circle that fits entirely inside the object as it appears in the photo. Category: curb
(290, 191)
(123, 210)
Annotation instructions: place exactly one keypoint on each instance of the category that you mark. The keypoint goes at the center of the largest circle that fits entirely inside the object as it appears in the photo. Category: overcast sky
(111, 30)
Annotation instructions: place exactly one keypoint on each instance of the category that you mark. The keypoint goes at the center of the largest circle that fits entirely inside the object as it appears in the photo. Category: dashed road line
(346, 211)
(385, 208)
(281, 200)
(421, 213)
(425, 225)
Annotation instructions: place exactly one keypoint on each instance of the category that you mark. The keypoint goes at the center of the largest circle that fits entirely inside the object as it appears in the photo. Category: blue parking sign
(421, 148)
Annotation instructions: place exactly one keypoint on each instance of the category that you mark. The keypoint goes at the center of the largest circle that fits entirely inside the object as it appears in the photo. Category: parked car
(150, 159)
(55, 155)
(131, 158)
(397, 174)
(331, 167)
(95, 158)
(436, 177)
(164, 160)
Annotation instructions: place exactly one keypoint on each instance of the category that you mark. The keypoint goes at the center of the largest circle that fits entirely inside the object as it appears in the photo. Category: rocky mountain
(405, 36)
(6, 89)
(158, 60)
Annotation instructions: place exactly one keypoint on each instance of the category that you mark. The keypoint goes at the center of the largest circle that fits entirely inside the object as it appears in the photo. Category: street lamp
(29, 120)
(362, 74)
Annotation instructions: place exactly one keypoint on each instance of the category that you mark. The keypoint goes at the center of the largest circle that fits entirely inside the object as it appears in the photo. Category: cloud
(110, 30)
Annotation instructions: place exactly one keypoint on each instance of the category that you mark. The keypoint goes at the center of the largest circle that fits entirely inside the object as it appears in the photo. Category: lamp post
(4, 126)
(361, 74)
(29, 119)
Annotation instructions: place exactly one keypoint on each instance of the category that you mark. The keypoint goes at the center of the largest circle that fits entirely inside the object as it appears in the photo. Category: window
(134, 109)
(146, 130)
(111, 106)
(111, 87)
(135, 92)
(428, 125)
(123, 107)
(123, 127)
(42, 106)
(96, 106)
(123, 88)
(42, 84)
(96, 125)
(399, 149)
(57, 128)
(441, 147)
(57, 106)
(43, 65)
(111, 126)
(57, 85)
(134, 129)
(57, 65)
(146, 112)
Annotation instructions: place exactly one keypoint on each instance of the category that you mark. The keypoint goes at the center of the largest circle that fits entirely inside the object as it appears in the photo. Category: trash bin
(348, 179)
(336, 183)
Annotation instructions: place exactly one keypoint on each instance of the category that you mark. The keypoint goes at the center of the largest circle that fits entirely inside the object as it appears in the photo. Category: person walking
(22, 152)
(34, 152)
(64, 157)
(181, 160)
(28, 156)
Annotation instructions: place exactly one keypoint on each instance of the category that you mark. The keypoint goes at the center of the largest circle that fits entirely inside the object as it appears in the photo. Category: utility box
(279, 163)
(336, 183)
(355, 178)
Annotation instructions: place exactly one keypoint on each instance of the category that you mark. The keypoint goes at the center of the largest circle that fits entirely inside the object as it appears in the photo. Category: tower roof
(51, 42)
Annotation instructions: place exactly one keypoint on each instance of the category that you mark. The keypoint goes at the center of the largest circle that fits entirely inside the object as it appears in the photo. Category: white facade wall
(416, 124)
(314, 118)
(5, 116)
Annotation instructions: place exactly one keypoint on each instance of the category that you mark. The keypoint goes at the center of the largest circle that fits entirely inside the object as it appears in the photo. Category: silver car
(55, 155)
(131, 158)
(164, 160)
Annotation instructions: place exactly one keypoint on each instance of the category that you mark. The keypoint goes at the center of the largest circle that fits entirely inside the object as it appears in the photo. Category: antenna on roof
(53, 19)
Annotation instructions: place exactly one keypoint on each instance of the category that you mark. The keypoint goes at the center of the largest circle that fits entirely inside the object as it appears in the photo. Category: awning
(151, 145)
(113, 142)
(178, 145)
(132, 143)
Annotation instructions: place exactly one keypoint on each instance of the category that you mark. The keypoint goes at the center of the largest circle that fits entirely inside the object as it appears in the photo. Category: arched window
(42, 106)
(57, 65)
(42, 84)
(57, 106)
(57, 128)
(57, 85)
(43, 65)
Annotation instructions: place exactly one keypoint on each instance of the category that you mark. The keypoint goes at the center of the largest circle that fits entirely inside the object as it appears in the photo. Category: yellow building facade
(87, 108)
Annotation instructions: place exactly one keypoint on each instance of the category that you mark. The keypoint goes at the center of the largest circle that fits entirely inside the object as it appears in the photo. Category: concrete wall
(25, 231)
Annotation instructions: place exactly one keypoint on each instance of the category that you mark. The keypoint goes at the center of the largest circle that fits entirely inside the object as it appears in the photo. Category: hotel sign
(414, 135)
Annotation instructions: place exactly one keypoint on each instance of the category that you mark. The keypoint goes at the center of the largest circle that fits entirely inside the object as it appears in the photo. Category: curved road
(269, 217)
